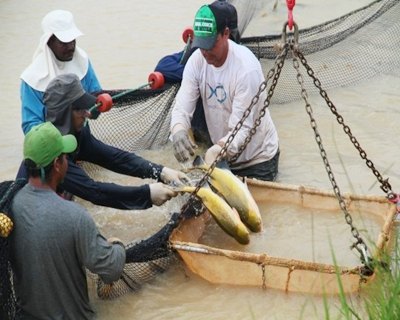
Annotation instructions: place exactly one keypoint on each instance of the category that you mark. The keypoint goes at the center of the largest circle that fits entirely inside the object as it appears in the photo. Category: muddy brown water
(125, 39)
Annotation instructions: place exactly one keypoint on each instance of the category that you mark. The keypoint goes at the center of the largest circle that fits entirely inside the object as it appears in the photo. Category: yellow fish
(226, 217)
(235, 193)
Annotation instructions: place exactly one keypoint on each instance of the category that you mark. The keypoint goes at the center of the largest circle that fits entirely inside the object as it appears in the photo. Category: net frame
(221, 266)
(372, 28)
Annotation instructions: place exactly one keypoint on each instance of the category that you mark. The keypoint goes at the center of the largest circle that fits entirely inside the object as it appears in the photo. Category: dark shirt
(90, 149)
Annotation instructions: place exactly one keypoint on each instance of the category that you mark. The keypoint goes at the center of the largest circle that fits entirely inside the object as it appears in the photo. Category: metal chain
(359, 244)
(273, 73)
(385, 185)
(263, 277)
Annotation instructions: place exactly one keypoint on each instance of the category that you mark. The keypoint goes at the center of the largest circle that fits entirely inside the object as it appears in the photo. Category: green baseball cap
(209, 21)
(43, 143)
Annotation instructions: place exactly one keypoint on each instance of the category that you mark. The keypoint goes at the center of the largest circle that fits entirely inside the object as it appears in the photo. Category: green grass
(379, 300)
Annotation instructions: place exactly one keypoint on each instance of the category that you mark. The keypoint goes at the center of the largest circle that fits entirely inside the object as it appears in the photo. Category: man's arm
(100, 256)
(105, 194)
(90, 82)
(32, 107)
(115, 159)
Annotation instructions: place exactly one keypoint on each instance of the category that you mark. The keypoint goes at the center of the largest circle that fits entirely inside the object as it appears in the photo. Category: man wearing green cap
(54, 240)
(226, 76)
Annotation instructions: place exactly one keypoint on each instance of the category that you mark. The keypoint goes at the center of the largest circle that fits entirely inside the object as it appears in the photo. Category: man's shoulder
(241, 49)
(243, 58)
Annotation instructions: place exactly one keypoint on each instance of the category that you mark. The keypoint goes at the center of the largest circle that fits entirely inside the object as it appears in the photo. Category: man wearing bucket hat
(226, 76)
(55, 240)
(56, 54)
(67, 107)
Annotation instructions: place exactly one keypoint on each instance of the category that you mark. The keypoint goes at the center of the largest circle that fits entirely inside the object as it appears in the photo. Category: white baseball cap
(61, 24)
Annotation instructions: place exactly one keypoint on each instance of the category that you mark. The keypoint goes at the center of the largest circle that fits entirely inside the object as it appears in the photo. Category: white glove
(183, 145)
(161, 193)
(173, 177)
(212, 153)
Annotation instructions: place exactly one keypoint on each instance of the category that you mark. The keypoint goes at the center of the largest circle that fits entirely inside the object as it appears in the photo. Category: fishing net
(8, 307)
(352, 48)
(144, 260)
(147, 258)
(344, 51)
(150, 112)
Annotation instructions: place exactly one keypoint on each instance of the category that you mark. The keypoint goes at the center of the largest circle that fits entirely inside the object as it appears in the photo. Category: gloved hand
(183, 145)
(174, 177)
(161, 193)
(212, 153)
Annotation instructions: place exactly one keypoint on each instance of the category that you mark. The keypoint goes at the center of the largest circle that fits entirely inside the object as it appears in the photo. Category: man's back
(52, 242)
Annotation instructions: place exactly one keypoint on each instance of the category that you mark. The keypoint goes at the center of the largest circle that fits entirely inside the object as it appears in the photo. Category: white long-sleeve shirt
(226, 92)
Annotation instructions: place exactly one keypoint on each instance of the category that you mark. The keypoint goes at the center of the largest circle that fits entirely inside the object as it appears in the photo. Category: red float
(104, 102)
(156, 80)
(187, 35)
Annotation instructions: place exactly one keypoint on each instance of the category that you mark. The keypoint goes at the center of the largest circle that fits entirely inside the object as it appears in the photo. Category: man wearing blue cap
(227, 77)
(55, 240)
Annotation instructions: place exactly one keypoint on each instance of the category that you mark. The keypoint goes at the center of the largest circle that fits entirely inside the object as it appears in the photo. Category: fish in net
(352, 48)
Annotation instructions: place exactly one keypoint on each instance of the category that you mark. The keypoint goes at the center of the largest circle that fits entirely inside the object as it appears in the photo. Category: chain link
(385, 185)
(359, 243)
(264, 279)
(273, 73)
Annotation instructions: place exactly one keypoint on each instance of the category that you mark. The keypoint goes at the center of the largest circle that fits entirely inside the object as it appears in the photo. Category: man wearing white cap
(56, 54)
